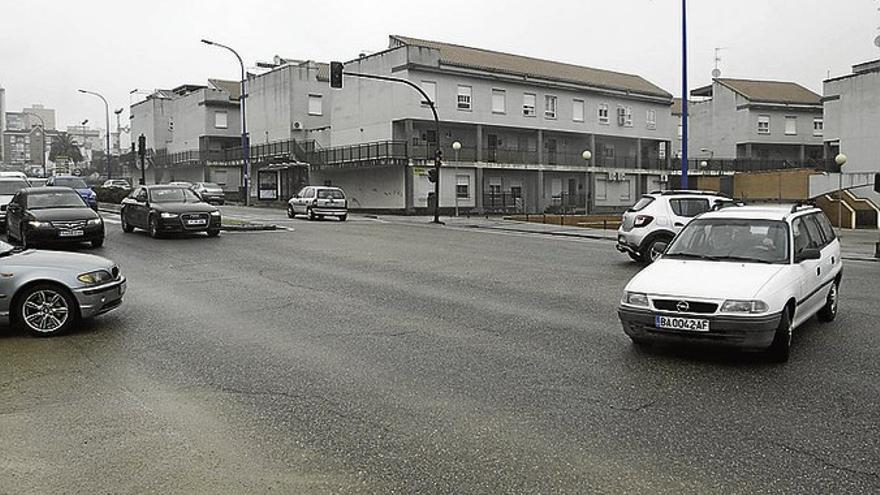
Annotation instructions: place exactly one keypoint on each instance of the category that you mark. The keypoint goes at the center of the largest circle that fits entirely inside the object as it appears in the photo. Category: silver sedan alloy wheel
(45, 311)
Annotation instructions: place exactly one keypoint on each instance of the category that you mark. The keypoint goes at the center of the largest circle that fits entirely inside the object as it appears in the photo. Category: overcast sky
(48, 49)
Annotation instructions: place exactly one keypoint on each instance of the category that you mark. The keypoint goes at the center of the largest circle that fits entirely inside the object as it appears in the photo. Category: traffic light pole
(438, 154)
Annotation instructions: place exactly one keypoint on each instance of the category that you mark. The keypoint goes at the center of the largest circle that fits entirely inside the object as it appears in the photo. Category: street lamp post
(840, 160)
(587, 155)
(107, 115)
(43, 134)
(456, 146)
(245, 146)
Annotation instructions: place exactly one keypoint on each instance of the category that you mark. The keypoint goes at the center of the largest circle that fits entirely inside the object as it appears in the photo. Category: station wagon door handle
(679, 224)
(818, 270)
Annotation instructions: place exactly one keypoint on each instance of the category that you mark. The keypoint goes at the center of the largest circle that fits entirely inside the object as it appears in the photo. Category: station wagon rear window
(330, 194)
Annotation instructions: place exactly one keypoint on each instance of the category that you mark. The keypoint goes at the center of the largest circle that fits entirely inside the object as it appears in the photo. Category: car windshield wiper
(740, 258)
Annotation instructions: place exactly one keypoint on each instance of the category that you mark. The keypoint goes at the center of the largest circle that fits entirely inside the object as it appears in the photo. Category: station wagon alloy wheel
(45, 311)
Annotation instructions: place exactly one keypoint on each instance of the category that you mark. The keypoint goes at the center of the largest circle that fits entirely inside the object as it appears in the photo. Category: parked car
(209, 192)
(77, 184)
(8, 187)
(181, 183)
(52, 215)
(13, 174)
(743, 277)
(37, 181)
(318, 202)
(52, 290)
(162, 209)
(117, 184)
(658, 217)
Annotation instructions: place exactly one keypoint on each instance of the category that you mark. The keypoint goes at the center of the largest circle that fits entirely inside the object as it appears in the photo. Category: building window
(651, 119)
(462, 186)
(549, 106)
(763, 124)
(608, 151)
(790, 126)
(499, 101)
(219, 176)
(316, 105)
(818, 126)
(603, 113)
(529, 104)
(625, 116)
(430, 88)
(220, 120)
(464, 97)
(680, 131)
(577, 110)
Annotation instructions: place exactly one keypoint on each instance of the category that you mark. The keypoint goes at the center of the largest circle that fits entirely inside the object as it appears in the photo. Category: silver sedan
(47, 292)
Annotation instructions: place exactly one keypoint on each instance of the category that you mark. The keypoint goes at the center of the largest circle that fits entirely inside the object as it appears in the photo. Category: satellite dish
(877, 41)
(716, 73)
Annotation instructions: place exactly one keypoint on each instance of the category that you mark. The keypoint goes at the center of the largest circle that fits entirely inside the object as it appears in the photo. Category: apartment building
(189, 130)
(22, 149)
(523, 125)
(752, 120)
(852, 127)
(2, 123)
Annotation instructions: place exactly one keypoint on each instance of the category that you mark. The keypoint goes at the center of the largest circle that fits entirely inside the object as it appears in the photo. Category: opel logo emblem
(682, 306)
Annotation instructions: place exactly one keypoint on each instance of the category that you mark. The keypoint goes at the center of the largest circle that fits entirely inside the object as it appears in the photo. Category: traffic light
(142, 145)
(877, 183)
(336, 75)
(432, 174)
(438, 158)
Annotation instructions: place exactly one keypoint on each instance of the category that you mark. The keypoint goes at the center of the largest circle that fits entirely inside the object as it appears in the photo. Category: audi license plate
(197, 221)
(70, 233)
(675, 323)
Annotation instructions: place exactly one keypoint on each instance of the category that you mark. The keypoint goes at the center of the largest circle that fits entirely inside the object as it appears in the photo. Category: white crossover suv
(659, 216)
(742, 277)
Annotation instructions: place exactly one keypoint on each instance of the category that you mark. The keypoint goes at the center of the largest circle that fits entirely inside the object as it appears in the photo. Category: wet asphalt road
(371, 357)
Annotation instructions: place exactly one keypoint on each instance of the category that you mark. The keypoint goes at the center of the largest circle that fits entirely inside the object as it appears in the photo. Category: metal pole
(107, 116)
(245, 147)
(840, 199)
(436, 129)
(455, 184)
(684, 97)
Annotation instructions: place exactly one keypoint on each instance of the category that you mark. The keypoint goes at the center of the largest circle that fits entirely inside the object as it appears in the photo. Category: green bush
(110, 194)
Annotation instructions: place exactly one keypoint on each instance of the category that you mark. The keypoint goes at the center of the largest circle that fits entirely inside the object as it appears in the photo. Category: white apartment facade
(523, 125)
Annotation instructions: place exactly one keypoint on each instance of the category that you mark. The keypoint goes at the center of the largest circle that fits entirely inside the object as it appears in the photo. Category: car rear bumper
(94, 301)
(317, 210)
(747, 333)
(629, 242)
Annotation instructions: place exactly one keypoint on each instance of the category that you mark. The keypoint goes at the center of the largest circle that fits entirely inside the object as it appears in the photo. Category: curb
(860, 258)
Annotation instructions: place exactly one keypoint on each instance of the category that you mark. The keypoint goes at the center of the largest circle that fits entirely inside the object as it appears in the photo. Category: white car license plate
(197, 221)
(675, 323)
(70, 233)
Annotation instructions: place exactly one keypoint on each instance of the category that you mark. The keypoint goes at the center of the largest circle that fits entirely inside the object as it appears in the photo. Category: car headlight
(750, 307)
(37, 224)
(95, 221)
(168, 215)
(635, 299)
(215, 213)
(97, 277)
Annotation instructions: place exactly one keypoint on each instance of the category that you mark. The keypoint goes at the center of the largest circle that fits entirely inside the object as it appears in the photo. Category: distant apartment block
(756, 120)
(188, 130)
(852, 117)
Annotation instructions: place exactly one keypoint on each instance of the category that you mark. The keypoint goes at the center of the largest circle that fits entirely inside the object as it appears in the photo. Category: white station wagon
(742, 277)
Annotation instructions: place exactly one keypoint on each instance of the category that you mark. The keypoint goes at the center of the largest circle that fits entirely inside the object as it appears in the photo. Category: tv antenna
(716, 72)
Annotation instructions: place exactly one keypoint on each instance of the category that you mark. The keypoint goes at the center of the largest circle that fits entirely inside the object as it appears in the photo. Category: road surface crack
(824, 461)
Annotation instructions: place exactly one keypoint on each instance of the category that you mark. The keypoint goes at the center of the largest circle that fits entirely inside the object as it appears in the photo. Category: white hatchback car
(317, 202)
(658, 216)
(742, 277)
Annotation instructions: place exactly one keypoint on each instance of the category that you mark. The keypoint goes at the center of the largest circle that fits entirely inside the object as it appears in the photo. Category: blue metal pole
(684, 97)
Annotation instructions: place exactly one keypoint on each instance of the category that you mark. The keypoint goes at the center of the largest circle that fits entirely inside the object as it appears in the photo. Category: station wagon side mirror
(807, 254)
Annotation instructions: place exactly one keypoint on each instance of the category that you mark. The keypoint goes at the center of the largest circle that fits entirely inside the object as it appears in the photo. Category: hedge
(110, 194)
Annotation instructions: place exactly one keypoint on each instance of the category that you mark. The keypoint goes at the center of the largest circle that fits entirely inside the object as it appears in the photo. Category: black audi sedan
(48, 215)
(165, 209)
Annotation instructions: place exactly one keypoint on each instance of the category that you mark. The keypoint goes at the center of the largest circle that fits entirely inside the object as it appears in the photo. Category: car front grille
(3, 207)
(692, 306)
(70, 225)
(186, 217)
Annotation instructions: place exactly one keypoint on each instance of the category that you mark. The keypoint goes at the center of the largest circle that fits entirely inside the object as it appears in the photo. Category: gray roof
(492, 61)
(231, 87)
(766, 91)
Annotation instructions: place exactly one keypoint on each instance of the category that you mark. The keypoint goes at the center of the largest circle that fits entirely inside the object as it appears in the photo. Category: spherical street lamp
(840, 159)
(704, 164)
(456, 145)
(587, 155)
